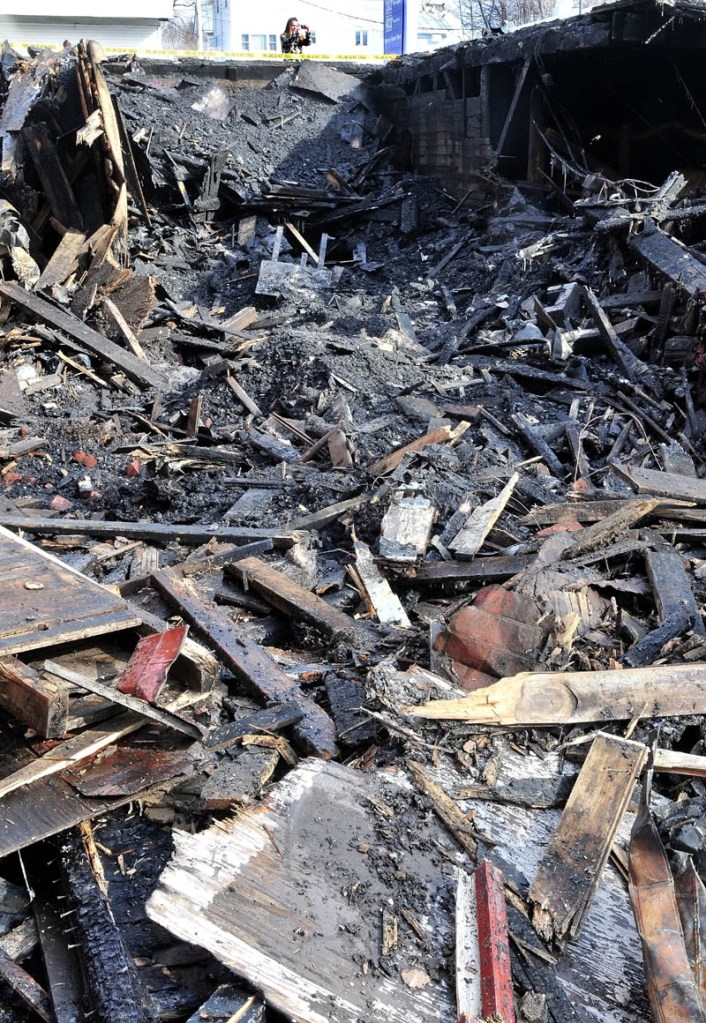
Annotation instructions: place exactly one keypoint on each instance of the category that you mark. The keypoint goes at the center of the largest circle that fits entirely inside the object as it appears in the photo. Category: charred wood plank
(139, 371)
(64, 260)
(672, 587)
(537, 444)
(113, 987)
(473, 533)
(249, 662)
(602, 533)
(230, 1004)
(671, 258)
(662, 484)
(153, 531)
(60, 961)
(406, 527)
(346, 698)
(572, 865)
(271, 719)
(648, 649)
(291, 598)
(375, 589)
(486, 569)
(441, 435)
(51, 174)
(446, 809)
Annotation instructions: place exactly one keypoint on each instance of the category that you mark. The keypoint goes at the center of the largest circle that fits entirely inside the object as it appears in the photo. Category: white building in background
(352, 28)
(437, 25)
(341, 26)
(128, 24)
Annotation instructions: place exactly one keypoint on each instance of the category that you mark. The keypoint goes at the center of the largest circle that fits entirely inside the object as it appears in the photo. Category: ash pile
(353, 664)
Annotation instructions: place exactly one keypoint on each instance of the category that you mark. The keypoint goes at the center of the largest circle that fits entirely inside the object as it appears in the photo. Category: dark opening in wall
(471, 82)
(624, 115)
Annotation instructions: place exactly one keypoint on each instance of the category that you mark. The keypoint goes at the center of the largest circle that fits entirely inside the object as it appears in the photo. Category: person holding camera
(295, 36)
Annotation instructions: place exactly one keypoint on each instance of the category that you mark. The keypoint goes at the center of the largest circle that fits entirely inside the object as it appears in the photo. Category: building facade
(130, 24)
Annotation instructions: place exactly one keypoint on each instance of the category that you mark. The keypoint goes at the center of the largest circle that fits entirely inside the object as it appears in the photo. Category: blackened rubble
(419, 461)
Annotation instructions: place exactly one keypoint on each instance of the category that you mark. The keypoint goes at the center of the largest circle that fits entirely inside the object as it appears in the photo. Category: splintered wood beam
(596, 511)
(249, 662)
(673, 994)
(608, 529)
(65, 259)
(291, 598)
(572, 864)
(141, 372)
(442, 435)
(124, 328)
(33, 700)
(472, 535)
(577, 697)
(632, 367)
(445, 809)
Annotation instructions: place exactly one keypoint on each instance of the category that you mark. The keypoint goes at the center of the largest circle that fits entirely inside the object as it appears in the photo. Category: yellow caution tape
(225, 54)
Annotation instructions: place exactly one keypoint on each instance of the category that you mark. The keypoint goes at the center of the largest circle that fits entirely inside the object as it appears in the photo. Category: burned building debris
(352, 648)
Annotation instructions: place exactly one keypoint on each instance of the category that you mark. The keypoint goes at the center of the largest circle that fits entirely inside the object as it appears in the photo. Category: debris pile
(353, 664)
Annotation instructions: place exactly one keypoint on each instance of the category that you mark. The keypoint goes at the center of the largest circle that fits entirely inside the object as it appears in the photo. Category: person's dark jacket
(293, 43)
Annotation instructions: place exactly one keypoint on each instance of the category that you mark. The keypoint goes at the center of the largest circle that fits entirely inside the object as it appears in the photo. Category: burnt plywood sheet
(42, 809)
(291, 897)
(44, 602)
(601, 972)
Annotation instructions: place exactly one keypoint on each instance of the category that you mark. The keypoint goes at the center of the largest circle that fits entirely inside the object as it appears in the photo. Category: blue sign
(394, 26)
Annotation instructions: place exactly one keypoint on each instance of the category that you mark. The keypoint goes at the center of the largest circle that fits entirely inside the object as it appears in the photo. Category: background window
(273, 42)
(245, 42)
(361, 37)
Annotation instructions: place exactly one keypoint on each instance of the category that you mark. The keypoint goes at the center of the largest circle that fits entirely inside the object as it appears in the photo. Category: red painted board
(495, 971)
(151, 660)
